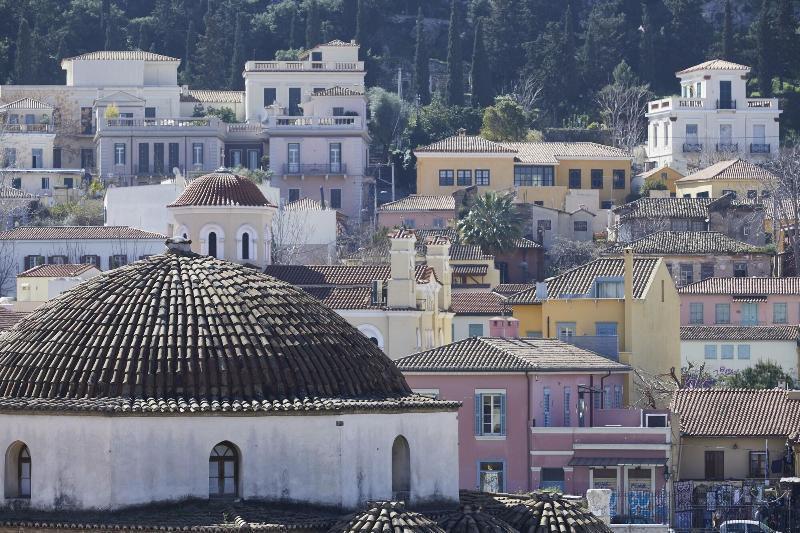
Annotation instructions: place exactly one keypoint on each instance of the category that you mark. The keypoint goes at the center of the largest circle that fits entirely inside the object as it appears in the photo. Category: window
(546, 407)
(475, 330)
(552, 478)
(86, 121)
(270, 95)
(607, 204)
(605, 329)
(37, 158)
(117, 260)
(119, 153)
(438, 222)
(490, 413)
(597, 178)
(666, 133)
(725, 136)
(144, 158)
(335, 157)
(533, 176)
(18, 471)
(759, 133)
(464, 178)
(655, 135)
(45, 183)
(695, 313)
(56, 157)
(611, 288)
(293, 157)
(574, 178)
(212, 244)
(779, 313)
(749, 313)
(33, 260)
(197, 154)
(149, 112)
(401, 469)
(752, 194)
(294, 195)
(174, 156)
(445, 178)
(691, 134)
(715, 464)
(710, 351)
(686, 273)
(57, 260)
(722, 313)
(236, 159)
(544, 225)
(482, 177)
(9, 157)
(491, 477)
(245, 245)
(24, 473)
(616, 402)
(91, 260)
(607, 397)
(294, 101)
(223, 471)
(580, 225)
(565, 329)
(567, 406)
(16, 183)
(338, 111)
(726, 351)
(252, 159)
(758, 464)
(743, 351)
(336, 198)
(728, 191)
(740, 270)
(699, 89)
(316, 56)
(706, 270)
(618, 178)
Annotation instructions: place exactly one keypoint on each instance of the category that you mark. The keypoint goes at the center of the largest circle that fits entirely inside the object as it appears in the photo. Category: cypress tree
(361, 37)
(188, 59)
(569, 72)
(479, 74)
(210, 52)
(236, 82)
(24, 59)
(455, 62)
(647, 49)
(313, 25)
(727, 33)
(787, 42)
(421, 73)
(764, 50)
(292, 31)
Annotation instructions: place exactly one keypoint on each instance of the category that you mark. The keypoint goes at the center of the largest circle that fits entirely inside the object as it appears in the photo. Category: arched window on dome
(372, 333)
(401, 470)
(245, 245)
(223, 471)
(18, 471)
(212, 243)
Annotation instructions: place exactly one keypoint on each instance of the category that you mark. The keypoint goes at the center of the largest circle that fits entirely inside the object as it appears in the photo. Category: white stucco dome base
(93, 461)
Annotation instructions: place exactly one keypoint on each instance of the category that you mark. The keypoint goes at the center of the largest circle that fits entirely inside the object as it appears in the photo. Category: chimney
(437, 256)
(541, 290)
(628, 260)
(506, 327)
(402, 285)
(461, 132)
(184, 90)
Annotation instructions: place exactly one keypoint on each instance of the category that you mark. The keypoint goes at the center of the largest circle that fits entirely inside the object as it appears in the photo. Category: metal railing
(726, 104)
(759, 148)
(27, 128)
(314, 168)
(160, 123)
(692, 147)
(350, 122)
(304, 65)
(727, 147)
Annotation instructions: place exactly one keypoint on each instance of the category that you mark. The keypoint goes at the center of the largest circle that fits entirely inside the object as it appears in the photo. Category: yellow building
(597, 176)
(663, 175)
(741, 177)
(619, 306)
(42, 283)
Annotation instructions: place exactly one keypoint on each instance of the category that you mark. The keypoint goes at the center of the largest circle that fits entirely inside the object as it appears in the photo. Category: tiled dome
(191, 331)
(386, 517)
(221, 189)
(470, 519)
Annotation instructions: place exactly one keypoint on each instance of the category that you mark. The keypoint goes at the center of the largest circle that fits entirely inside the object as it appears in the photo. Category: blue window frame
(546, 407)
(567, 406)
(491, 476)
(605, 329)
(490, 413)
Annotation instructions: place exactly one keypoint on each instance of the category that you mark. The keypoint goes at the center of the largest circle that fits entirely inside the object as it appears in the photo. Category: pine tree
(421, 73)
(764, 50)
(480, 77)
(455, 62)
(210, 52)
(236, 82)
(727, 33)
(313, 25)
(24, 59)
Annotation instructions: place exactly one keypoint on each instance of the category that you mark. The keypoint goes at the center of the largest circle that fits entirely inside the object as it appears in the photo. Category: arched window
(372, 333)
(18, 471)
(401, 470)
(245, 245)
(212, 243)
(223, 471)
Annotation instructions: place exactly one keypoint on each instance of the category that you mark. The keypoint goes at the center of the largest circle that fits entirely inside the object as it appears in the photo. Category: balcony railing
(160, 123)
(314, 168)
(726, 104)
(762, 102)
(679, 102)
(290, 122)
(692, 147)
(331, 66)
(27, 128)
(759, 148)
(727, 147)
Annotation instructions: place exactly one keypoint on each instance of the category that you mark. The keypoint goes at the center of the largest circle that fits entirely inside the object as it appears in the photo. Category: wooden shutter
(478, 424)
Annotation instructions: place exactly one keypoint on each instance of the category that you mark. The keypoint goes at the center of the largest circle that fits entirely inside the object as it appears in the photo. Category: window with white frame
(119, 153)
(722, 313)
(743, 351)
(567, 406)
(197, 154)
(490, 413)
(779, 312)
(491, 476)
(655, 135)
(695, 313)
(546, 407)
(710, 351)
(616, 402)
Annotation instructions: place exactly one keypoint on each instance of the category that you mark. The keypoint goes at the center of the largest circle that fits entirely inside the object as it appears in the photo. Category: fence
(640, 507)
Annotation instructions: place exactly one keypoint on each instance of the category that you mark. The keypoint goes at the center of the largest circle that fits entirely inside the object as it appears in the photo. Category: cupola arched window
(245, 245)
(223, 471)
(212, 243)
(401, 470)
(18, 471)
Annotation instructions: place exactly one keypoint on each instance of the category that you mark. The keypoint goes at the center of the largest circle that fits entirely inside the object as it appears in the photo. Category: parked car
(745, 526)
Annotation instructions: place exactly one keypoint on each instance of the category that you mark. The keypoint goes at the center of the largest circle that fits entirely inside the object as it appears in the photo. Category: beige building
(42, 283)
(738, 176)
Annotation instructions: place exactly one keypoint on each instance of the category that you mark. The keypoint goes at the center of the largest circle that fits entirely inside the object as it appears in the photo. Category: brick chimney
(504, 326)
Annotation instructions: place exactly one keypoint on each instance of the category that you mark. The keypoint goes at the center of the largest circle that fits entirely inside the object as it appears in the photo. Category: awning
(617, 461)
(470, 270)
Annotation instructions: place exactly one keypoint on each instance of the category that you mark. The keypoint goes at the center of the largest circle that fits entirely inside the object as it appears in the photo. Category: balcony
(161, 125)
(727, 147)
(28, 128)
(300, 123)
(692, 147)
(304, 66)
(726, 104)
(313, 169)
(674, 103)
(759, 148)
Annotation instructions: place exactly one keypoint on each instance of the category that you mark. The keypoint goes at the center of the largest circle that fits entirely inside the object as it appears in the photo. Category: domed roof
(220, 189)
(184, 332)
(469, 519)
(386, 517)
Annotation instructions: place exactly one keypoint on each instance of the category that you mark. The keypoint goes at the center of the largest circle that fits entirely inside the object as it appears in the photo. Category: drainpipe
(528, 429)
(603, 389)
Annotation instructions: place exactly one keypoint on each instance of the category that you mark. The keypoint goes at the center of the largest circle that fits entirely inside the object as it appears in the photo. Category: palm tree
(491, 222)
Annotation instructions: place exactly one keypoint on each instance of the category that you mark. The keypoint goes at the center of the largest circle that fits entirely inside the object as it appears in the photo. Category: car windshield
(734, 527)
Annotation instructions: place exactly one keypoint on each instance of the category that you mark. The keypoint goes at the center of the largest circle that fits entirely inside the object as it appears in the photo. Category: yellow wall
(502, 176)
(31, 289)
(672, 176)
(691, 455)
(715, 187)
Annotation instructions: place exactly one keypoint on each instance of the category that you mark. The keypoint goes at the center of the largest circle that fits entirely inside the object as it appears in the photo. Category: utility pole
(391, 162)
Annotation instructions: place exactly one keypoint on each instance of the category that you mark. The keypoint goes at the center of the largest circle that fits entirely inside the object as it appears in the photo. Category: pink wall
(422, 219)
(709, 302)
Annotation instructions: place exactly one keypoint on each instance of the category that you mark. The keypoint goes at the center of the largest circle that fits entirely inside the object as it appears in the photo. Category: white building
(211, 381)
(711, 120)
(724, 350)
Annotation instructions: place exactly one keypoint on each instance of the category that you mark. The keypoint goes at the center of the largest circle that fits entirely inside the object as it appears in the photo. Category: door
(749, 313)
(158, 158)
(144, 158)
(293, 158)
(252, 159)
(236, 159)
(725, 95)
(294, 101)
(87, 158)
(174, 159)
(37, 158)
(335, 157)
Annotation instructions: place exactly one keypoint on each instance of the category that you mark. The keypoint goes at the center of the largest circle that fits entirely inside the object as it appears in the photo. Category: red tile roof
(687, 243)
(714, 64)
(122, 55)
(221, 189)
(744, 286)
(52, 233)
(477, 303)
(417, 202)
(347, 275)
(55, 271)
(213, 96)
(734, 169)
(739, 333)
(466, 144)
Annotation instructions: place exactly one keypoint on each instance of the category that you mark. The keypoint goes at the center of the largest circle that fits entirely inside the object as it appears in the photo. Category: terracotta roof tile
(477, 303)
(734, 169)
(26, 103)
(686, 243)
(465, 144)
(344, 297)
(507, 289)
(386, 517)
(739, 333)
(213, 96)
(467, 252)
(417, 202)
(736, 412)
(714, 64)
(304, 204)
(470, 519)
(553, 152)
(51, 233)
(55, 271)
(10, 192)
(744, 286)
(121, 55)
(338, 91)
(347, 275)
(221, 188)
(9, 317)
(490, 354)
(470, 270)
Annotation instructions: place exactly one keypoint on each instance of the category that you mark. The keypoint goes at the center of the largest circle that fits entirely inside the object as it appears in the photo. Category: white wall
(116, 461)
(143, 206)
(783, 353)
(461, 325)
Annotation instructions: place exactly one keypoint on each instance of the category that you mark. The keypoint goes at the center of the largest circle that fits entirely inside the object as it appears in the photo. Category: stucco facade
(739, 354)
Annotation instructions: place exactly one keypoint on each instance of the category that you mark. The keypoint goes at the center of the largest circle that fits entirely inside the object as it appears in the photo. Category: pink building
(417, 211)
(542, 413)
(741, 301)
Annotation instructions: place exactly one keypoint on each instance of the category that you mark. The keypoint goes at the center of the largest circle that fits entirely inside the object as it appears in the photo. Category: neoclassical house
(225, 216)
(183, 377)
